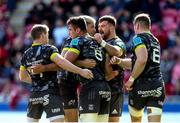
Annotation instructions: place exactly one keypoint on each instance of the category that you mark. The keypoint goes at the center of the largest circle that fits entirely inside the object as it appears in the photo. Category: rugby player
(68, 81)
(114, 46)
(94, 98)
(45, 88)
(145, 85)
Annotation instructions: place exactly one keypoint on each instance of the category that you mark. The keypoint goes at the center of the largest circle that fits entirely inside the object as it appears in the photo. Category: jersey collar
(36, 44)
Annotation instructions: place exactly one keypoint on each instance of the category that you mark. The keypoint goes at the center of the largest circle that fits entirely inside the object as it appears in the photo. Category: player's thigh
(35, 106)
(89, 100)
(136, 105)
(69, 96)
(54, 108)
(116, 105)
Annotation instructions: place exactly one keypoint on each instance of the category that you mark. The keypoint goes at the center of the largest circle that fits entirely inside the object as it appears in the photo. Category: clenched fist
(86, 74)
(98, 37)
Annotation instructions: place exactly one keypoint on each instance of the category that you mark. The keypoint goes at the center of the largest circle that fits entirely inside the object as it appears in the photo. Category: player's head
(40, 32)
(142, 22)
(76, 26)
(106, 25)
(90, 21)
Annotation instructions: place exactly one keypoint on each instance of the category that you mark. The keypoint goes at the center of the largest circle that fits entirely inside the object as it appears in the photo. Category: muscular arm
(53, 66)
(65, 64)
(124, 63)
(113, 50)
(24, 75)
(140, 62)
(109, 73)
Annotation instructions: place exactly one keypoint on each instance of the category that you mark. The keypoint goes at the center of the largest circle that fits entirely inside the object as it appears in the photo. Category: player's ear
(78, 30)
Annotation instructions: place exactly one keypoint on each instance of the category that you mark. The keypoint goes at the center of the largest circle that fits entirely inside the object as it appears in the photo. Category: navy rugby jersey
(87, 47)
(66, 76)
(41, 54)
(116, 84)
(152, 68)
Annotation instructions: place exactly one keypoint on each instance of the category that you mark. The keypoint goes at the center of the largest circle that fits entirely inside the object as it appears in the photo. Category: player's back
(40, 54)
(152, 68)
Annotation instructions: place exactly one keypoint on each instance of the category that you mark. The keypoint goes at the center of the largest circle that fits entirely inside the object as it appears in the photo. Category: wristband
(131, 79)
(119, 62)
(103, 43)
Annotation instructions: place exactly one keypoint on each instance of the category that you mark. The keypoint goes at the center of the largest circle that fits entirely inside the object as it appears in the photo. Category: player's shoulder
(75, 41)
(137, 39)
(117, 39)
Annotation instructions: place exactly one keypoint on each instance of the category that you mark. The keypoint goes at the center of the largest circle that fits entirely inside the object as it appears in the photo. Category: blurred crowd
(165, 15)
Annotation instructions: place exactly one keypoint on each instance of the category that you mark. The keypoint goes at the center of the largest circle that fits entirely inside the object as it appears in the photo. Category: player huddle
(85, 81)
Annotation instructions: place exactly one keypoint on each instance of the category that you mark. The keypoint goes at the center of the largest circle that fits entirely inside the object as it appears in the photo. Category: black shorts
(69, 95)
(95, 98)
(147, 92)
(116, 105)
(42, 101)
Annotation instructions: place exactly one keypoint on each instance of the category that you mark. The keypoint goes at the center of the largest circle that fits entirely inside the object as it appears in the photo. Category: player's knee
(103, 118)
(134, 112)
(154, 111)
(114, 119)
(88, 117)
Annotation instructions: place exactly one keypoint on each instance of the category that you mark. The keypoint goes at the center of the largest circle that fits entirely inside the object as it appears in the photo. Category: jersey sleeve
(22, 63)
(137, 41)
(75, 46)
(66, 44)
(120, 44)
(53, 52)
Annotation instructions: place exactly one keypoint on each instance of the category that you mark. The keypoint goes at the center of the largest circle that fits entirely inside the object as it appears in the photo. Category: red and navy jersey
(152, 68)
(116, 84)
(40, 54)
(87, 47)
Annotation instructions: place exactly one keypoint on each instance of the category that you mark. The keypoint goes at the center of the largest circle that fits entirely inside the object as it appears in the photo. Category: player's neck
(144, 31)
(83, 34)
(111, 36)
(38, 42)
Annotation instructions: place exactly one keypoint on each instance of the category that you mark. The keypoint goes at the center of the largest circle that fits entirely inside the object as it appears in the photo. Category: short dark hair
(37, 30)
(143, 19)
(78, 22)
(109, 19)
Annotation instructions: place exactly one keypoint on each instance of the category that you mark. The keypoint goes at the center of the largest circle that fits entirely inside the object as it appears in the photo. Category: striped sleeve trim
(53, 55)
(65, 48)
(140, 46)
(22, 67)
(74, 50)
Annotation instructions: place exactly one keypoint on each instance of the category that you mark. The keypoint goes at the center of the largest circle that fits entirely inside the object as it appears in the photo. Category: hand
(36, 69)
(112, 75)
(128, 85)
(115, 60)
(98, 37)
(86, 74)
(89, 63)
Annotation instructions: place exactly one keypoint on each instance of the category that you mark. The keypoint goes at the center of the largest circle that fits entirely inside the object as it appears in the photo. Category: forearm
(79, 63)
(113, 50)
(23, 76)
(27, 80)
(66, 65)
(138, 69)
(52, 67)
(126, 63)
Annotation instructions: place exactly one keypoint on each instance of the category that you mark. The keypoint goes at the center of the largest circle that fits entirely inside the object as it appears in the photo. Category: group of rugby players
(97, 72)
